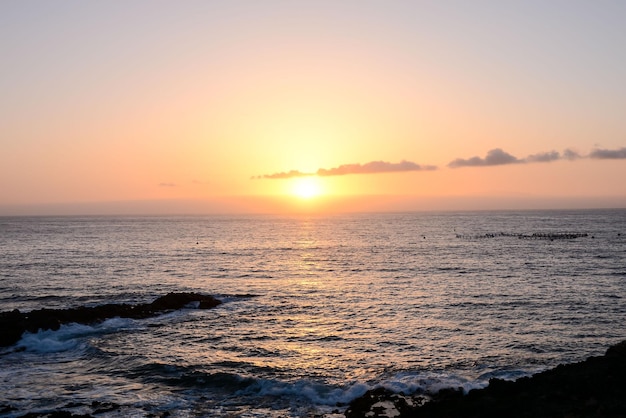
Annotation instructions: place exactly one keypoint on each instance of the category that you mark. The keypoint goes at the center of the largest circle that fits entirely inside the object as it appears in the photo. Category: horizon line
(284, 204)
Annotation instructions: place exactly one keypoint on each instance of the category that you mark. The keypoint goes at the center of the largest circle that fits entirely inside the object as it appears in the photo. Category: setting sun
(306, 187)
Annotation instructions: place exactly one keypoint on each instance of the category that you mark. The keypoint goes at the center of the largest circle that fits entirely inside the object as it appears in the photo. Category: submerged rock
(14, 323)
(591, 388)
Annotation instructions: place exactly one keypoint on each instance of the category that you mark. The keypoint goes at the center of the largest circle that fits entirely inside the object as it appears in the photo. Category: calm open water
(317, 310)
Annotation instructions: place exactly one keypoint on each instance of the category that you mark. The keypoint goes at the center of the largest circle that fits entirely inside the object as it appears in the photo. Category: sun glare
(306, 187)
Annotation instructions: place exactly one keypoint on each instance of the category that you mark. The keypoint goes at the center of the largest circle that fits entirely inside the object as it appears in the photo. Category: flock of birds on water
(545, 235)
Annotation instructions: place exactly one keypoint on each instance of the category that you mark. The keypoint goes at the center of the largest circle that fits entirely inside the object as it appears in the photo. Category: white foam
(69, 336)
(317, 393)
(115, 324)
(49, 341)
(510, 374)
(327, 395)
(429, 382)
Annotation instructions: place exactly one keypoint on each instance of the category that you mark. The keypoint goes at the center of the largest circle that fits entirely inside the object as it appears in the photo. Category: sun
(306, 187)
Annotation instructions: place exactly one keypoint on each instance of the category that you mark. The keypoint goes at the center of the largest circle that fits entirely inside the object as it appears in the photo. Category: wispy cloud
(284, 175)
(608, 154)
(498, 157)
(494, 157)
(372, 167)
(167, 185)
(544, 157)
(570, 155)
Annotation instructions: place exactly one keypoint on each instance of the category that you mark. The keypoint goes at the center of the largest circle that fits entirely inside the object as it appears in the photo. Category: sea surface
(317, 309)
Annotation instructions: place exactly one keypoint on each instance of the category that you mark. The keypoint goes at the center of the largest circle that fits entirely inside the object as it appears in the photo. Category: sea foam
(69, 336)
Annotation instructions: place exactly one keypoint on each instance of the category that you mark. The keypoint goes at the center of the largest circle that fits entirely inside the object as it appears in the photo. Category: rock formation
(14, 323)
(595, 387)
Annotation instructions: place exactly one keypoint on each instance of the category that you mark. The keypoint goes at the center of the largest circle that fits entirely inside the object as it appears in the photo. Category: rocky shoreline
(595, 387)
(591, 388)
(14, 323)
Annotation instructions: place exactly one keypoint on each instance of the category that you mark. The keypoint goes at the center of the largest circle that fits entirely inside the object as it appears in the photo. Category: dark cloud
(494, 157)
(499, 157)
(367, 168)
(543, 157)
(571, 155)
(608, 154)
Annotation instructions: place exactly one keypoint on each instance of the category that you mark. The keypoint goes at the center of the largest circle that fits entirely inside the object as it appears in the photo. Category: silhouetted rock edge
(595, 387)
(14, 323)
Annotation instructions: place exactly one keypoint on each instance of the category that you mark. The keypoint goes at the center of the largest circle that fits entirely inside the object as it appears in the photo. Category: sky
(276, 106)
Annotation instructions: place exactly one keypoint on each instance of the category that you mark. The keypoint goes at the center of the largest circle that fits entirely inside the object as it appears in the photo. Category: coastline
(15, 323)
(594, 387)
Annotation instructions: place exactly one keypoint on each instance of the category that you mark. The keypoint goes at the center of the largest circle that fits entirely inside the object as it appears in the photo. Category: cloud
(571, 155)
(372, 167)
(284, 175)
(607, 154)
(167, 185)
(498, 157)
(494, 157)
(544, 157)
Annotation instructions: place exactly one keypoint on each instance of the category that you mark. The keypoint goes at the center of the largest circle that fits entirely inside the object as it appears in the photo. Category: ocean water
(318, 309)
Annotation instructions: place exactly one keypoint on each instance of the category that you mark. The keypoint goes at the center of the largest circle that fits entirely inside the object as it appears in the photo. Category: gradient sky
(233, 101)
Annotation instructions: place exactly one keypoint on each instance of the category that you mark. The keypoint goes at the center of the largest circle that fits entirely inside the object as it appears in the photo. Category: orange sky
(113, 106)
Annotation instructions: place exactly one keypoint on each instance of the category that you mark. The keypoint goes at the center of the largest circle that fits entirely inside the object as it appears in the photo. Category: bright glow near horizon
(207, 101)
(306, 187)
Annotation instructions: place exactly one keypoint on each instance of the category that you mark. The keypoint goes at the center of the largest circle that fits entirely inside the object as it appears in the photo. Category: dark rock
(173, 301)
(382, 402)
(5, 409)
(14, 323)
(591, 388)
(618, 350)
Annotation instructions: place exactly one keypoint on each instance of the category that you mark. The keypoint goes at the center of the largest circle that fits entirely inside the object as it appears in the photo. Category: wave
(247, 385)
(323, 394)
(315, 392)
(412, 382)
(244, 381)
(16, 322)
(70, 336)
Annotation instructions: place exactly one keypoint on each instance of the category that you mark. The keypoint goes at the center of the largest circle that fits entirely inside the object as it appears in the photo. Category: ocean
(317, 308)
